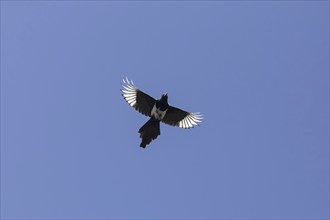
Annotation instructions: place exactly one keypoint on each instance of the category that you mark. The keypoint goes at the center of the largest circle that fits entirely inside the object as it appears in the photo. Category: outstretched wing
(177, 117)
(139, 100)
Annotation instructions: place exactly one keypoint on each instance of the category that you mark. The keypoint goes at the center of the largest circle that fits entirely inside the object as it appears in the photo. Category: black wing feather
(183, 119)
(139, 100)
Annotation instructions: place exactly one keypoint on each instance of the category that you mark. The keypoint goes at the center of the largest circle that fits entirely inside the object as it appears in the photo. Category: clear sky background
(257, 70)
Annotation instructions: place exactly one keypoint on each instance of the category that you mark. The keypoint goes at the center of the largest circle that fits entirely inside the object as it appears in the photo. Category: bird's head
(164, 97)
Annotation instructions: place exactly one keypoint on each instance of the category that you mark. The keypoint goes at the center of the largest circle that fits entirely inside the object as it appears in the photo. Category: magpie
(158, 111)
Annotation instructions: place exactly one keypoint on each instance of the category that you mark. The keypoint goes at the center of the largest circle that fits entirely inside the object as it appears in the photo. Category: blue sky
(257, 70)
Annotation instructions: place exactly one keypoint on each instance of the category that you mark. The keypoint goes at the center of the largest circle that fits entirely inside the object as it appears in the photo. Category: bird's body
(160, 107)
(158, 111)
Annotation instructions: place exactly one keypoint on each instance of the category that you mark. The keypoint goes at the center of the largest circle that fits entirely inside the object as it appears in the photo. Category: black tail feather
(149, 131)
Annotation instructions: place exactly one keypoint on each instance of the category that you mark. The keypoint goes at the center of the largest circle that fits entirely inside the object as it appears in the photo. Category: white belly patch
(157, 113)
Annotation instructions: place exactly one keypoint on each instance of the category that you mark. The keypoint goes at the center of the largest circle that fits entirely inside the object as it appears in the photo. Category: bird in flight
(158, 111)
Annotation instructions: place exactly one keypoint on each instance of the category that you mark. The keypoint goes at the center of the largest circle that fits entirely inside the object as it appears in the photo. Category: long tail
(149, 131)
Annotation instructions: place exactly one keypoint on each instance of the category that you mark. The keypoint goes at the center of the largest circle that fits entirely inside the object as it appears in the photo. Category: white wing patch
(191, 120)
(129, 92)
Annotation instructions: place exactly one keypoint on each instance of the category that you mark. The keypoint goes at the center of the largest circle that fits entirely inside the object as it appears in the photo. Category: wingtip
(127, 81)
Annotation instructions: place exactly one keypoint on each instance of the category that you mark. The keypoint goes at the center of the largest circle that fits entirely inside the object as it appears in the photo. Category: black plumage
(158, 111)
